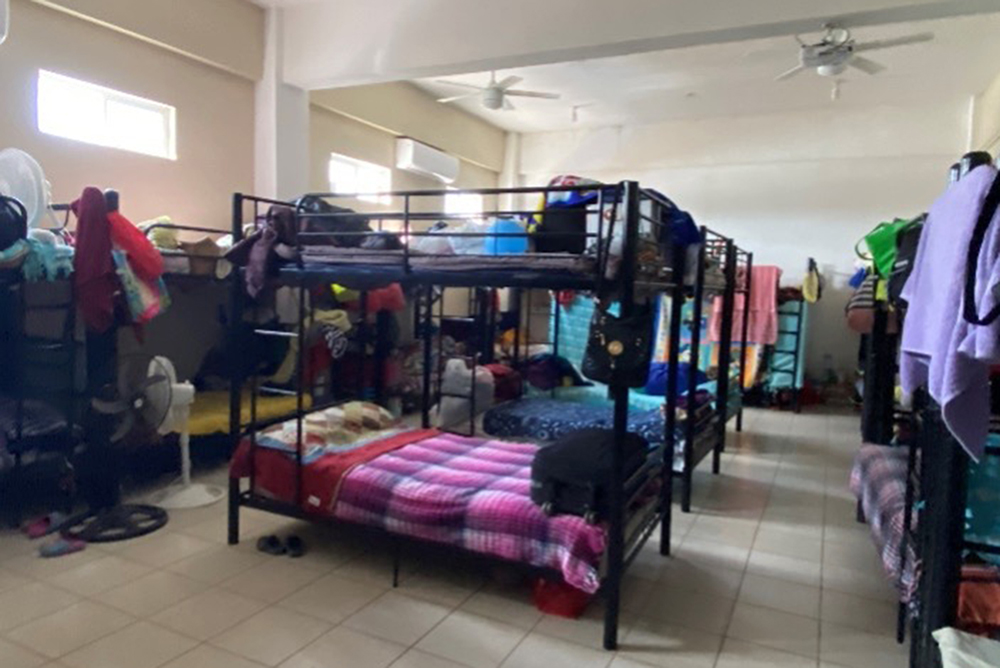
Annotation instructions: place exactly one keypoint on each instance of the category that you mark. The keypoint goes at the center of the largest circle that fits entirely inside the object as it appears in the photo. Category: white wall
(786, 186)
(986, 119)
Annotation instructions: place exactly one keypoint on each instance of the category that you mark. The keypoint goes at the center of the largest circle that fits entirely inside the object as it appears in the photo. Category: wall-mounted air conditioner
(418, 158)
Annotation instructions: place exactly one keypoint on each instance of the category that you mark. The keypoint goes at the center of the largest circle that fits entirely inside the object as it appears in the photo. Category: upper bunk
(585, 237)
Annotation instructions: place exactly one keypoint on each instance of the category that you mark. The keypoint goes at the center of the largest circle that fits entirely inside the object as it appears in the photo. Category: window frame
(363, 193)
(457, 195)
(105, 135)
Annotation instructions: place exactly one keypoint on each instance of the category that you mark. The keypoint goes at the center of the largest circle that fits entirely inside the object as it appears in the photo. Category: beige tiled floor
(771, 570)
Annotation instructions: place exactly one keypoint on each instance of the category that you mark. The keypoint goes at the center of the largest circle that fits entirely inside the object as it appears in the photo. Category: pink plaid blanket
(473, 493)
(469, 492)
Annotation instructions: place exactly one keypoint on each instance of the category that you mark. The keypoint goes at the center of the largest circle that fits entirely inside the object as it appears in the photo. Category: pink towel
(763, 326)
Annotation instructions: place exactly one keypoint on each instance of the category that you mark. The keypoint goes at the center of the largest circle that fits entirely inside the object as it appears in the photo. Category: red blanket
(321, 480)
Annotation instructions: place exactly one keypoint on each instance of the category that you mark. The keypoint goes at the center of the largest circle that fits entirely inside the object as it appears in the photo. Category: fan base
(187, 496)
(114, 524)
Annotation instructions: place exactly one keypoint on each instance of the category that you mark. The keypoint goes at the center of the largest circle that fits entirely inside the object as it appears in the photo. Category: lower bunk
(469, 493)
(548, 419)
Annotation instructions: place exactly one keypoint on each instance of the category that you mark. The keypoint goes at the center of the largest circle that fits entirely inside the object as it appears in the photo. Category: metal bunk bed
(40, 411)
(703, 434)
(744, 285)
(625, 535)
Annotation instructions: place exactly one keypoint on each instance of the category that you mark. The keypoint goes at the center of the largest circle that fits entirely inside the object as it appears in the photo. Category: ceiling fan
(837, 51)
(494, 95)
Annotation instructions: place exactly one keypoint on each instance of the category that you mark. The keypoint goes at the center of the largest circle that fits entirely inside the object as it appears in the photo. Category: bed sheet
(472, 493)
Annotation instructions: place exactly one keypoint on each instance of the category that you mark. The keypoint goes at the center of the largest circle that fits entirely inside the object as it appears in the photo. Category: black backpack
(906, 253)
(326, 217)
(563, 229)
(573, 475)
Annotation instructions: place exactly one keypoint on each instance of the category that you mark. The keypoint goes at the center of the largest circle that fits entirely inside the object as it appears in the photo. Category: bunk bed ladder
(794, 352)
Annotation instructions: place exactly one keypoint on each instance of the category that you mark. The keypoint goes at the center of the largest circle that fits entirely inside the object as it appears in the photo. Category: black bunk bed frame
(936, 485)
(43, 369)
(744, 286)
(622, 549)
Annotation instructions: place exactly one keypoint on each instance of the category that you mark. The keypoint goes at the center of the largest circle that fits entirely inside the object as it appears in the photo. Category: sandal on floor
(61, 547)
(295, 546)
(270, 545)
(44, 525)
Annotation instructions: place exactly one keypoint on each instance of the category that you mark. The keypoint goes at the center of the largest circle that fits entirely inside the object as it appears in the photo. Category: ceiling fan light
(492, 98)
(831, 70)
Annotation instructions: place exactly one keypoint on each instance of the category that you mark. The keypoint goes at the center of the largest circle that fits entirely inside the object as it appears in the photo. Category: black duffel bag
(337, 220)
(573, 475)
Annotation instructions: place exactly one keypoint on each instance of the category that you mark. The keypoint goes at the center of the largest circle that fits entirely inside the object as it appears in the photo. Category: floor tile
(100, 575)
(151, 593)
(788, 543)
(33, 566)
(397, 618)
(14, 656)
(208, 614)
(142, 645)
(774, 629)
(217, 564)
(692, 576)
(722, 529)
(450, 587)
(853, 648)
(10, 580)
(866, 584)
(539, 651)
(702, 612)
(29, 602)
(860, 613)
(207, 656)
(163, 547)
(272, 581)
(587, 630)
(782, 595)
(472, 640)
(332, 598)
(271, 636)
(414, 658)
(785, 568)
(513, 607)
(658, 643)
(70, 628)
(742, 654)
(344, 648)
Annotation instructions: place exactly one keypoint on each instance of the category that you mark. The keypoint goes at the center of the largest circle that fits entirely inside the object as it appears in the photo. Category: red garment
(763, 325)
(275, 470)
(145, 260)
(94, 278)
(389, 298)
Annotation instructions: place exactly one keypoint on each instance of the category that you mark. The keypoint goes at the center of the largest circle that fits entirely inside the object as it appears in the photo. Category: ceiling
(737, 78)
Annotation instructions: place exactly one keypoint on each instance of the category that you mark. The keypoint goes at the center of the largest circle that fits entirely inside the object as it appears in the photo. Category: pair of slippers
(292, 546)
(44, 525)
(61, 547)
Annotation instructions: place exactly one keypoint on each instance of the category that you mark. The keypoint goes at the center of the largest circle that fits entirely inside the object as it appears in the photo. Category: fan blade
(507, 82)
(865, 65)
(455, 98)
(534, 93)
(458, 83)
(898, 41)
(789, 73)
(508, 105)
(109, 407)
(124, 427)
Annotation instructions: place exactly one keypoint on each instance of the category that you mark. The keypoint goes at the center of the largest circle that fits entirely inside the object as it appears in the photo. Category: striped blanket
(878, 479)
(468, 492)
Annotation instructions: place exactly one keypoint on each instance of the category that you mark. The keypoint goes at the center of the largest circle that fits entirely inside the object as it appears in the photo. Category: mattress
(473, 493)
(535, 261)
(545, 419)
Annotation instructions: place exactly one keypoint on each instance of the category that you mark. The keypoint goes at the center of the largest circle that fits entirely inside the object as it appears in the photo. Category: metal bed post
(616, 543)
(693, 366)
(363, 335)
(943, 479)
(673, 353)
(516, 298)
(428, 293)
(725, 354)
(300, 383)
(745, 332)
(556, 310)
(235, 378)
(878, 399)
